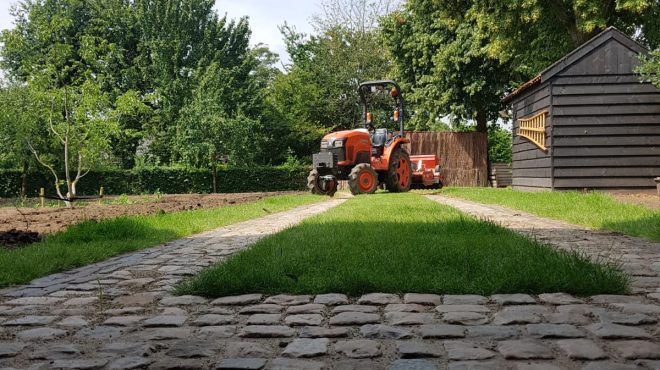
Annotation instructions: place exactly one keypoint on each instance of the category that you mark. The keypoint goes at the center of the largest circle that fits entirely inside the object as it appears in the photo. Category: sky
(265, 16)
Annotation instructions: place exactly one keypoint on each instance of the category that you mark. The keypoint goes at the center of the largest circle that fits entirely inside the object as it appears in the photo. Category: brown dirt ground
(52, 219)
(649, 199)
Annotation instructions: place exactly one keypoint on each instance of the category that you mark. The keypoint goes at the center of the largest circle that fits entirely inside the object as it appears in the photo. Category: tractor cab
(386, 124)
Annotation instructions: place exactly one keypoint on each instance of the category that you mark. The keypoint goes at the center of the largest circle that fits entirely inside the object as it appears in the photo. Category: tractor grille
(338, 153)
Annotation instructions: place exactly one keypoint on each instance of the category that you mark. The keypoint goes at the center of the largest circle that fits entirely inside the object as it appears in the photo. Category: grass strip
(402, 243)
(94, 241)
(594, 210)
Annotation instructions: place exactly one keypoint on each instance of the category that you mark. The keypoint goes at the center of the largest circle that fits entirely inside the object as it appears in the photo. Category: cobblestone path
(61, 321)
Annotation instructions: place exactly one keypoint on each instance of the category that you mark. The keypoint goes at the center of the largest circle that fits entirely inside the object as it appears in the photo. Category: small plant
(122, 200)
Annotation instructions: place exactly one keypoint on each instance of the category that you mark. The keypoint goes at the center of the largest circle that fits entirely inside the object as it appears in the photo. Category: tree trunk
(215, 174)
(24, 179)
(482, 121)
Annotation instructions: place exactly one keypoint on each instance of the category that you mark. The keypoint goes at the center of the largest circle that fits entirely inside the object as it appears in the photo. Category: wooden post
(101, 192)
(42, 194)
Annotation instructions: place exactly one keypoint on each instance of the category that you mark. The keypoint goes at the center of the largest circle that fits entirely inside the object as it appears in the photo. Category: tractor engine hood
(338, 139)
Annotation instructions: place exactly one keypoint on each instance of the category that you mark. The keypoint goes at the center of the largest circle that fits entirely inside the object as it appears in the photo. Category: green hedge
(164, 179)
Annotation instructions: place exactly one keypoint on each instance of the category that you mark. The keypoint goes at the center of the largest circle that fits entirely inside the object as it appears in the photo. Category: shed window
(533, 128)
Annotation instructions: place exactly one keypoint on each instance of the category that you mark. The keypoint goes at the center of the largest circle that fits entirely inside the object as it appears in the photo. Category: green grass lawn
(402, 243)
(93, 241)
(594, 210)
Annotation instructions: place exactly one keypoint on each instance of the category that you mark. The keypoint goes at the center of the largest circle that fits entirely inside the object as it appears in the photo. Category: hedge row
(164, 180)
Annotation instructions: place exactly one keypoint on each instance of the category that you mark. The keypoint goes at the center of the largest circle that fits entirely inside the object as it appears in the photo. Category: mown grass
(402, 243)
(93, 241)
(594, 210)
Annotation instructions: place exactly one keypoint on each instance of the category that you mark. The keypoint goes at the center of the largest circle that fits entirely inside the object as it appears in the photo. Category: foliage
(171, 180)
(594, 210)
(94, 241)
(650, 69)
(499, 144)
(427, 248)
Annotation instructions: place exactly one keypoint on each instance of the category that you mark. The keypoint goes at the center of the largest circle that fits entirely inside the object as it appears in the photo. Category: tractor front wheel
(363, 179)
(399, 174)
(315, 187)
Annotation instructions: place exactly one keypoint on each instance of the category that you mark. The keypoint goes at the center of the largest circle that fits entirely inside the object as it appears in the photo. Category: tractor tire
(363, 179)
(399, 174)
(313, 184)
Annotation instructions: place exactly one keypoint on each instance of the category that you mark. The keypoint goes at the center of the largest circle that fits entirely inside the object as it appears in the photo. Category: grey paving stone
(515, 318)
(173, 363)
(462, 308)
(124, 311)
(409, 318)
(465, 318)
(554, 331)
(137, 283)
(441, 331)
(354, 318)
(41, 334)
(239, 300)
(567, 318)
(184, 300)
(129, 363)
(247, 350)
(581, 349)
(81, 301)
(35, 301)
(509, 299)
(79, 364)
(412, 365)
(524, 350)
(73, 322)
(355, 308)
(357, 365)
(652, 309)
(538, 366)
(359, 348)
(493, 332)
(320, 332)
(475, 365)
(636, 349)
(379, 299)
(608, 365)
(213, 320)
(215, 332)
(304, 320)
(650, 364)
(129, 348)
(305, 309)
(123, 320)
(380, 331)
(610, 298)
(222, 310)
(627, 318)
(407, 307)
(241, 364)
(584, 309)
(10, 349)
(165, 333)
(459, 350)
(411, 349)
(191, 349)
(295, 364)
(265, 319)
(138, 299)
(559, 298)
(30, 321)
(614, 331)
(261, 308)
(266, 331)
(471, 299)
(165, 321)
(307, 348)
(331, 299)
(423, 299)
(54, 352)
(99, 333)
(288, 300)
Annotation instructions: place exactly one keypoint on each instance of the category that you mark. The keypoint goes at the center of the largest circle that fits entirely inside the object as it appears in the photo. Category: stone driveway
(119, 314)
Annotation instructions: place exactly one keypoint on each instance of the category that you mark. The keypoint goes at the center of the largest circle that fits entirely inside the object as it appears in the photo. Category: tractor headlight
(324, 144)
(338, 143)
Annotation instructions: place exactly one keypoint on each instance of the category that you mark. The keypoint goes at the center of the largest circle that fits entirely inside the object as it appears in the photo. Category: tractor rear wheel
(363, 179)
(399, 174)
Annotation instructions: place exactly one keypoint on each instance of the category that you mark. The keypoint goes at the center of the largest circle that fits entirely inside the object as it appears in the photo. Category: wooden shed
(587, 121)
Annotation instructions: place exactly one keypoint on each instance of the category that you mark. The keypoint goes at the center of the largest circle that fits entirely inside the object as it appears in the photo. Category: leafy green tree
(499, 144)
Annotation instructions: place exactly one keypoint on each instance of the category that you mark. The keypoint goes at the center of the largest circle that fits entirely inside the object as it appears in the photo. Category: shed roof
(575, 56)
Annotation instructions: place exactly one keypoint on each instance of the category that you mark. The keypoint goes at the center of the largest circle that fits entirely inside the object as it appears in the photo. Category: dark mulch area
(13, 238)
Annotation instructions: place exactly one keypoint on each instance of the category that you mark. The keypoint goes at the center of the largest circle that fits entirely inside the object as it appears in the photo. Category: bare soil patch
(649, 199)
(52, 219)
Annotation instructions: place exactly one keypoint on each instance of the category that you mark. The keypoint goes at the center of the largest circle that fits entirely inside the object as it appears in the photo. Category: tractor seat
(379, 138)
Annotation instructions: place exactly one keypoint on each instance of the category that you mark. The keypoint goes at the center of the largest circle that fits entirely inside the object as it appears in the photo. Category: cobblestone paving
(64, 322)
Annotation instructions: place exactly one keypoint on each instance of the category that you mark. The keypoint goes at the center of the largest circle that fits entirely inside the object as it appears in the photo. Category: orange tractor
(371, 157)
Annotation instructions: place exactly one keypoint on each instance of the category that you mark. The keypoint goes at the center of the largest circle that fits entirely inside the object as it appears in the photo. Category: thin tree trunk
(482, 121)
(215, 174)
(24, 178)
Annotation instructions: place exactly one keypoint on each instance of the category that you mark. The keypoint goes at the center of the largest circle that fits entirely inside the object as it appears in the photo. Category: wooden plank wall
(606, 123)
(463, 155)
(500, 175)
(532, 165)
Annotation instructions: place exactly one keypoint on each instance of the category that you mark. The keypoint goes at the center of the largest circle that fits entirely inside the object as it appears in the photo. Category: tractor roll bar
(398, 99)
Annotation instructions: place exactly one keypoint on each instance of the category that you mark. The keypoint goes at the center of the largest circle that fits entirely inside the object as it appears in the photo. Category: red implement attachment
(426, 171)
